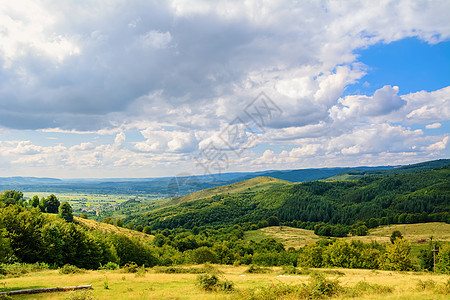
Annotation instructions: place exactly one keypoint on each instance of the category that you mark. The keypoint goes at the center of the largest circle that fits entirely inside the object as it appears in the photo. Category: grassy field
(115, 285)
(289, 236)
(296, 237)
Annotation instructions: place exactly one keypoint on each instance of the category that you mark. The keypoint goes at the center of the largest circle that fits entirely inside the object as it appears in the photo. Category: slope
(251, 185)
(109, 229)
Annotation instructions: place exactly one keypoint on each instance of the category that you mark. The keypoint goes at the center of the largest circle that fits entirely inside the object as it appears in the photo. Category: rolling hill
(256, 184)
(416, 194)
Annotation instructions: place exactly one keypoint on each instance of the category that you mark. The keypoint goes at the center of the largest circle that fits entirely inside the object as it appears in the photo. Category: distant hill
(250, 185)
(28, 180)
(303, 175)
(186, 184)
(424, 166)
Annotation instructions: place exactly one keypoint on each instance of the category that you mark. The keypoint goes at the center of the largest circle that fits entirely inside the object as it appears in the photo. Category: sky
(105, 89)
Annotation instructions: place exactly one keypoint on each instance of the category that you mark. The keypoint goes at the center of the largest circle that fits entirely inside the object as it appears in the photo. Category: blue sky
(151, 88)
(409, 63)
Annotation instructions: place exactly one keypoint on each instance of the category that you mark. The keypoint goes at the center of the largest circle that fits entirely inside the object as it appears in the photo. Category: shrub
(130, 267)
(211, 282)
(253, 269)
(202, 255)
(69, 269)
(320, 287)
(443, 288)
(362, 288)
(425, 285)
(207, 282)
(290, 270)
(397, 256)
(207, 268)
(110, 266)
(311, 256)
(443, 260)
(395, 235)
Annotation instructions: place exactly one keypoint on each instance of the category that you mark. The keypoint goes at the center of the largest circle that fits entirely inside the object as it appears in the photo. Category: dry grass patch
(289, 236)
(103, 227)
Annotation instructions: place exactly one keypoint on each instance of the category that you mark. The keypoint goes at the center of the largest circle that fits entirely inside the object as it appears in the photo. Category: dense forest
(372, 200)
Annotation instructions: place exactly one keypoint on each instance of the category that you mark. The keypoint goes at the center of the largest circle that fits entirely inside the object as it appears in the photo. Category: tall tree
(52, 204)
(397, 256)
(34, 202)
(43, 204)
(65, 212)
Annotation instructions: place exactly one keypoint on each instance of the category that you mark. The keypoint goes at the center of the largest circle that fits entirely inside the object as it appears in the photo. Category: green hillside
(111, 229)
(412, 197)
(256, 184)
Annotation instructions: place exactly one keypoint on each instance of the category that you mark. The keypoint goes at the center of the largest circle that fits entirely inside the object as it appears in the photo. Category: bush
(207, 282)
(363, 288)
(311, 256)
(202, 255)
(397, 256)
(443, 260)
(290, 270)
(110, 266)
(443, 288)
(253, 269)
(425, 285)
(320, 287)
(211, 282)
(430, 285)
(395, 235)
(69, 269)
(130, 267)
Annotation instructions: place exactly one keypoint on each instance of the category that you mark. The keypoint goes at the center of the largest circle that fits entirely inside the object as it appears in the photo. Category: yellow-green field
(296, 237)
(115, 285)
(289, 236)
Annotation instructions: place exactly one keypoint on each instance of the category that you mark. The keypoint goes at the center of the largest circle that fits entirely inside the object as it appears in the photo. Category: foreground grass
(115, 285)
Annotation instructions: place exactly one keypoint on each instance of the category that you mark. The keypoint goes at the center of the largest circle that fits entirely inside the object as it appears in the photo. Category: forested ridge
(399, 198)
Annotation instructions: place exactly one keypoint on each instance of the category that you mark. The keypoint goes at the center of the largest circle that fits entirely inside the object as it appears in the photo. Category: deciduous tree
(65, 212)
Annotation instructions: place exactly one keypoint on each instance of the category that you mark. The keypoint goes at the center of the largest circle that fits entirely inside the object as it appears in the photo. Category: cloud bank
(161, 79)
